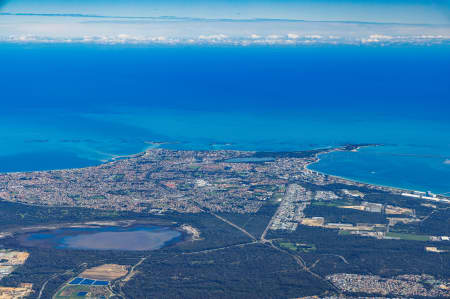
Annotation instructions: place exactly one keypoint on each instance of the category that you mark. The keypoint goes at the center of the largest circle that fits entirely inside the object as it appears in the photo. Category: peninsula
(338, 236)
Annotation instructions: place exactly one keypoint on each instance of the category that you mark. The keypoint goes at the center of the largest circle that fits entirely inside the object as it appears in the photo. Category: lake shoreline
(21, 234)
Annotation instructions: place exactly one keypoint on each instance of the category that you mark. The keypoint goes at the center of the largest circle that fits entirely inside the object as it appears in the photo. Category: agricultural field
(82, 291)
(93, 282)
(106, 272)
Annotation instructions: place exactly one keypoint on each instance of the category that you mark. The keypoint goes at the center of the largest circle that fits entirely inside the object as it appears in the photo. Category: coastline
(181, 181)
(111, 158)
(389, 187)
(317, 158)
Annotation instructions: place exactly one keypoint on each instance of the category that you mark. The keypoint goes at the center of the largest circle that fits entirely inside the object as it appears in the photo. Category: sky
(397, 11)
(226, 21)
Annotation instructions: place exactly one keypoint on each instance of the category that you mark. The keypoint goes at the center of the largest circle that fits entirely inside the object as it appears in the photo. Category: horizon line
(78, 15)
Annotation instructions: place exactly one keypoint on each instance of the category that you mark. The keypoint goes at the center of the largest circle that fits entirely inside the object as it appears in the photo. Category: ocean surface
(68, 106)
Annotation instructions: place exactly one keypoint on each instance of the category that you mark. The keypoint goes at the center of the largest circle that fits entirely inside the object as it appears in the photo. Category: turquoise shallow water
(396, 166)
(65, 107)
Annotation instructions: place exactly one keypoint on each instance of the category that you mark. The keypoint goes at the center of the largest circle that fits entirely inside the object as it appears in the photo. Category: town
(159, 181)
(222, 183)
(403, 285)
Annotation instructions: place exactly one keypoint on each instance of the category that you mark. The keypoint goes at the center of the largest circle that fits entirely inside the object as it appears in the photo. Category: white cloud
(433, 36)
(314, 36)
(273, 39)
(376, 38)
(447, 161)
(213, 37)
(380, 36)
(231, 32)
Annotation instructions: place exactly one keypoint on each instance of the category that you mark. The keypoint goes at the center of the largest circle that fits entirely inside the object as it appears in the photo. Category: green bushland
(411, 237)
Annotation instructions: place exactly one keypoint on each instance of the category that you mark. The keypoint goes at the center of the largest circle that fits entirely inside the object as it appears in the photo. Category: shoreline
(393, 188)
(124, 223)
(326, 150)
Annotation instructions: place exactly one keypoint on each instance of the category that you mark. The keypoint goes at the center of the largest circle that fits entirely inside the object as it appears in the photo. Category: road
(119, 283)
(235, 226)
(262, 240)
(263, 235)
(44, 285)
(41, 291)
(220, 248)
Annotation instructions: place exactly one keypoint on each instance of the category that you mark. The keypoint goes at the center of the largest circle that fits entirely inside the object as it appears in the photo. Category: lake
(142, 237)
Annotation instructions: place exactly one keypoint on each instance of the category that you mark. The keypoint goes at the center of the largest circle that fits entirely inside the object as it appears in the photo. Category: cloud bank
(57, 28)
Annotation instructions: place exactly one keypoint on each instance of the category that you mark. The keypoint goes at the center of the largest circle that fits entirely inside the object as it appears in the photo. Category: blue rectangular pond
(76, 281)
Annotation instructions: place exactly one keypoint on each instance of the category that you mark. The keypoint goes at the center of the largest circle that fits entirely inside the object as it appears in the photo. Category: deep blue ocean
(65, 106)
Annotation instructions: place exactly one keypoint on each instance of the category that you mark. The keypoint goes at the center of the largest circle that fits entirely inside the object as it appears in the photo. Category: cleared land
(74, 292)
(107, 272)
(24, 290)
(14, 257)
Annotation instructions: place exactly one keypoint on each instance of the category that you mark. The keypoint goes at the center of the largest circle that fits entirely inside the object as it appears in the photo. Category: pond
(142, 237)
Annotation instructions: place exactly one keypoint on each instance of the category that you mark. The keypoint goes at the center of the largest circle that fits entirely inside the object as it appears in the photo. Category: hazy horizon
(226, 22)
